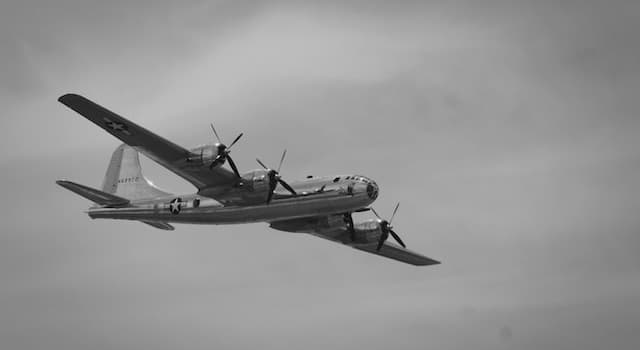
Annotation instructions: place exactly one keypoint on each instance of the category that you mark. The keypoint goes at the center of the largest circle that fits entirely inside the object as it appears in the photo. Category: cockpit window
(359, 178)
(336, 179)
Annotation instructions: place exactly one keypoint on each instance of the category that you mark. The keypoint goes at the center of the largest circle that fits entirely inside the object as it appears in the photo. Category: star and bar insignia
(116, 126)
(175, 205)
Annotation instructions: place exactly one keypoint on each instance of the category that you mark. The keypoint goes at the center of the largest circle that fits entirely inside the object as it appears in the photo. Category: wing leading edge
(159, 149)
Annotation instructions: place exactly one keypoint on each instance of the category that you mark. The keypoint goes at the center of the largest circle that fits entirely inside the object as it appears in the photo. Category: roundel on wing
(175, 205)
(116, 126)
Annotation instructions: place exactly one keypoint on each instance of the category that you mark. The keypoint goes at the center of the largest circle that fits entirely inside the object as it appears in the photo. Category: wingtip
(64, 183)
(66, 97)
(429, 262)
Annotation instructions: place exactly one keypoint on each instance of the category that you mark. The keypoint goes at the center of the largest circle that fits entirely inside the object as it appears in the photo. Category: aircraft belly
(281, 209)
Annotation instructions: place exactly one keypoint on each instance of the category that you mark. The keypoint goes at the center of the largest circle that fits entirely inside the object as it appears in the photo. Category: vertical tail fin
(124, 176)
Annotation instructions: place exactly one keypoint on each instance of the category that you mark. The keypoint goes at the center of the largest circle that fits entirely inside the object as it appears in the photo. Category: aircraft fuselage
(247, 202)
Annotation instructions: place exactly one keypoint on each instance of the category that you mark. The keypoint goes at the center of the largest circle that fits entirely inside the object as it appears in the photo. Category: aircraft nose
(372, 190)
(360, 184)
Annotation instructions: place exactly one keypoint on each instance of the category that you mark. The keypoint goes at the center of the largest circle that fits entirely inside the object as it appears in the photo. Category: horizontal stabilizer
(159, 224)
(94, 195)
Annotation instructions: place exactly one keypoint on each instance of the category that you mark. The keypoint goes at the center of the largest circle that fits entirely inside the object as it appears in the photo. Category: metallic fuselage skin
(316, 196)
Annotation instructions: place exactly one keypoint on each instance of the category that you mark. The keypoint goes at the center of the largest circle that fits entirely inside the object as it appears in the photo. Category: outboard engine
(214, 155)
(204, 155)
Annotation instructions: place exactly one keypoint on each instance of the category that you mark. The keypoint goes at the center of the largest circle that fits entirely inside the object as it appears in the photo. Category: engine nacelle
(334, 227)
(256, 182)
(251, 188)
(367, 232)
(204, 155)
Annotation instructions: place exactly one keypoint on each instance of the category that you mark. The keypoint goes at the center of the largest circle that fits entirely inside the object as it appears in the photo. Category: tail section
(124, 176)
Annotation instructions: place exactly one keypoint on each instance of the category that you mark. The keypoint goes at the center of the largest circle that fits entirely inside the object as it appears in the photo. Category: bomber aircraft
(321, 206)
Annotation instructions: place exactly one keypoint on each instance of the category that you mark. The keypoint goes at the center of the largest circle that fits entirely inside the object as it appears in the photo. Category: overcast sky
(508, 130)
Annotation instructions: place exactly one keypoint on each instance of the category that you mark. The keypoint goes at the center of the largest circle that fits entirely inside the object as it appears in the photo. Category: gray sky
(508, 130)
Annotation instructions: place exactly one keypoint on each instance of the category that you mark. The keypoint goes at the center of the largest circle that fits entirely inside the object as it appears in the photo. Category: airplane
(320, 206)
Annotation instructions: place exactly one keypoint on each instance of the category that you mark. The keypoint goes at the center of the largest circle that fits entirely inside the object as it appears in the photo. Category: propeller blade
(381, 242)
(273, 182)
(215, 162)
(215, 133)
(233, 166)
(286, 185)
(376, 214)
(234, 141)
(259, 162)
(394, 213)
(281, 160)
(274, 178)
(269, 197)
(397, 238)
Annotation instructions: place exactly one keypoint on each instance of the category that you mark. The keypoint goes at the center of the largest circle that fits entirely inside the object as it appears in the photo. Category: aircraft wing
(396, 252)
(164, 152)
(340, 234)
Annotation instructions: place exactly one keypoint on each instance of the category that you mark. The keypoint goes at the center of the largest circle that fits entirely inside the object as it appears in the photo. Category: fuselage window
(196, 202)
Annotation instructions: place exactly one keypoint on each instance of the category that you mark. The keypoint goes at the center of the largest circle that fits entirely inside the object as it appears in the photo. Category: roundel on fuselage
(175, 205)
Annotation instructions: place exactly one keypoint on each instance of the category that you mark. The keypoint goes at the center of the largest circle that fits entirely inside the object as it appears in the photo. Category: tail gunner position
(321, 206)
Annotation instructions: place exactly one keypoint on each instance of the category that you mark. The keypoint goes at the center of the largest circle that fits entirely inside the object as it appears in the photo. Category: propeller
(275, 178)
(223, 153)
(386, 228)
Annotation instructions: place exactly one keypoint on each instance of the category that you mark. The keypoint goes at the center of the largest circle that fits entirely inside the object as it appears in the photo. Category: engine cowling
(367, 232)
(204, 155)
(256, 182)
